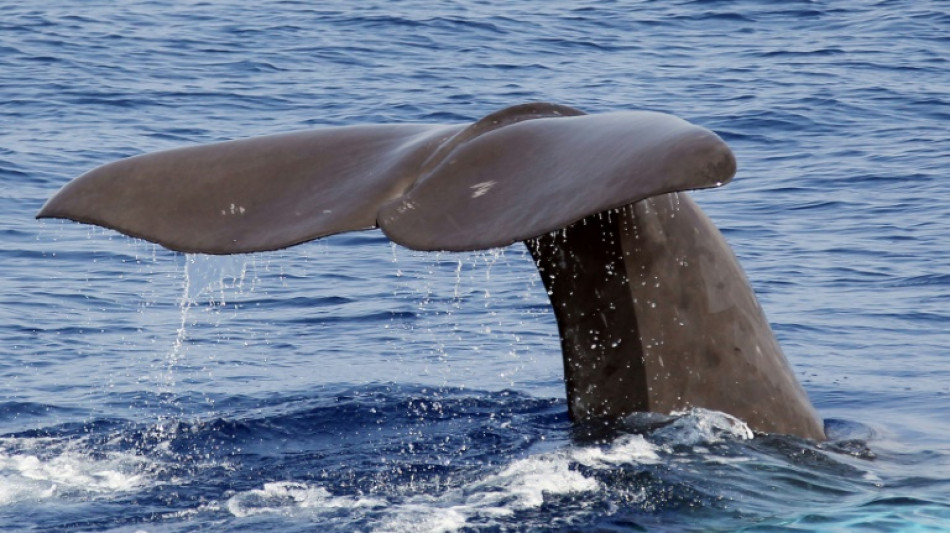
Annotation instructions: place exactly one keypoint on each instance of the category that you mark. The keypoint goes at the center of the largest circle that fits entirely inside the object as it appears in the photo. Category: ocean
(349, 384)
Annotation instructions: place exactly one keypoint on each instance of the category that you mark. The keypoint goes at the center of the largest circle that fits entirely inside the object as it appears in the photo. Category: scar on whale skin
(653, 309)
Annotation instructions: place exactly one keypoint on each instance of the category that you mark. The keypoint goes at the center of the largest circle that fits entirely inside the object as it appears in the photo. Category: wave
(403, 458)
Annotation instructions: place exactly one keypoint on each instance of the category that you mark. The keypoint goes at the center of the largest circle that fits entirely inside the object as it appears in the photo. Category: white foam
(702, 426)
(38, 469)
(627, 449)
(522, 485)
(525, 483)
(290, 497)
(420, 518)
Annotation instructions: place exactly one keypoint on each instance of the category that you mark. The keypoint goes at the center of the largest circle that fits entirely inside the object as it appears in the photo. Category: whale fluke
(256, 194)
(653, 310)
(516, 174)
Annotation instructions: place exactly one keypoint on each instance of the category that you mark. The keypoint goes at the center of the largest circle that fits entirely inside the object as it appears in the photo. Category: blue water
(349, 385)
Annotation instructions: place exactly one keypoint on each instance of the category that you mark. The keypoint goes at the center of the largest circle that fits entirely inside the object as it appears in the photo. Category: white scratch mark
(482, 188)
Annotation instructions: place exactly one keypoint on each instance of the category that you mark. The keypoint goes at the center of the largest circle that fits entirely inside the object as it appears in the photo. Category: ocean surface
(352, 385)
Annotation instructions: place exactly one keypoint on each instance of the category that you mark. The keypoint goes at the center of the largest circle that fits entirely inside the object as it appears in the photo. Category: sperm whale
(653, 309)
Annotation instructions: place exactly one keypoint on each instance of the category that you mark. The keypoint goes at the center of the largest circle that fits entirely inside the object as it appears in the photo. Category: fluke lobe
(654, 311)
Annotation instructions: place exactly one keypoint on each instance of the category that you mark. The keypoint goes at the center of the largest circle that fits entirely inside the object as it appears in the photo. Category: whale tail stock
(653, 310)
(667, 321)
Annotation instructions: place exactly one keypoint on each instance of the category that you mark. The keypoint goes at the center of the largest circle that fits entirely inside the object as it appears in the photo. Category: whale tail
(653, 309)
(667, 321)
(516, 174)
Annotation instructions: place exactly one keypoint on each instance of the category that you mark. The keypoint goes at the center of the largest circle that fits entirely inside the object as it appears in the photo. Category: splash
(205, 277)
(524, 485)
(34, 469)
(703, 426)
(292, 497)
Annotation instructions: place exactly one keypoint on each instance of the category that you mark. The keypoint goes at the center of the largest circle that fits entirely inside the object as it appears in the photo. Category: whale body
(653, 310)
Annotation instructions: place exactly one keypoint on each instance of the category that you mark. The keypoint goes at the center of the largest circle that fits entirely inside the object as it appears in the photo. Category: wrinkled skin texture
(668, 321)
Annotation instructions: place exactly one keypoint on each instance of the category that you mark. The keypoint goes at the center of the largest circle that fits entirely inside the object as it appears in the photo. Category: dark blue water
(347, 385)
